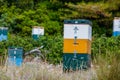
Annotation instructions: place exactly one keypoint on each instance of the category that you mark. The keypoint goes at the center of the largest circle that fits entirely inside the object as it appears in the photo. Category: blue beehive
(116, 33)
(15, 56)
(3, 33)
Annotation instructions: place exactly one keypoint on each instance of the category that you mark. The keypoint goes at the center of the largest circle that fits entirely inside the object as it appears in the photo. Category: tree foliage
(21, 15)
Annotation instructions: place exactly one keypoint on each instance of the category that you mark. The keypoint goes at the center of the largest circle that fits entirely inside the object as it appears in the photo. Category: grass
(108, 69)
(43, 71)
(104, 68)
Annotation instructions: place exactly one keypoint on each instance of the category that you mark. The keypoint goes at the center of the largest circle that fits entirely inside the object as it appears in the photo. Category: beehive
(15, 56)
(37, 32)
(3, 33)
(77, 44)
(116, 26)
(80, 61)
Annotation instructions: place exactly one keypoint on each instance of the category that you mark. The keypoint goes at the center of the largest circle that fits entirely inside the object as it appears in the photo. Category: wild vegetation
(21, 15)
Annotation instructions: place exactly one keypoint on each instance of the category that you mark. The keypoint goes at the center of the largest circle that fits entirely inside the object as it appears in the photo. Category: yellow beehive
(81, 46)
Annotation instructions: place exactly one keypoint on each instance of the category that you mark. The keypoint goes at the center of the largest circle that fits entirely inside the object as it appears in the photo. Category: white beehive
(83, 31)
(116, 26)
(37, 32)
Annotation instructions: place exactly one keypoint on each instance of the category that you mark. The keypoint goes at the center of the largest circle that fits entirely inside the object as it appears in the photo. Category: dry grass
(44, 71)
(108, 68)
(102, 70)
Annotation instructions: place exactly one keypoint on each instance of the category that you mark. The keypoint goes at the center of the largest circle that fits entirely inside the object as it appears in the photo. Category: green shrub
(52, 46)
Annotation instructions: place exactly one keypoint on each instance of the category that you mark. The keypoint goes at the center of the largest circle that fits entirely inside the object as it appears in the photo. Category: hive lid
(13, 47)
(116, 17)
(38, 27)
(78, 21)
(3, 27)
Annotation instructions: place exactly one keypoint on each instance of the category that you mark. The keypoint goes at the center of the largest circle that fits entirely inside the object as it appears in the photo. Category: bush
(106, 47)
(52, 46)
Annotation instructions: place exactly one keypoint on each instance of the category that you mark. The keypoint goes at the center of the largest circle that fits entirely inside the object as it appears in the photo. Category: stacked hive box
(37, 32)
(77, 44)
(3, 33)
(116, 26)
(15, 56)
